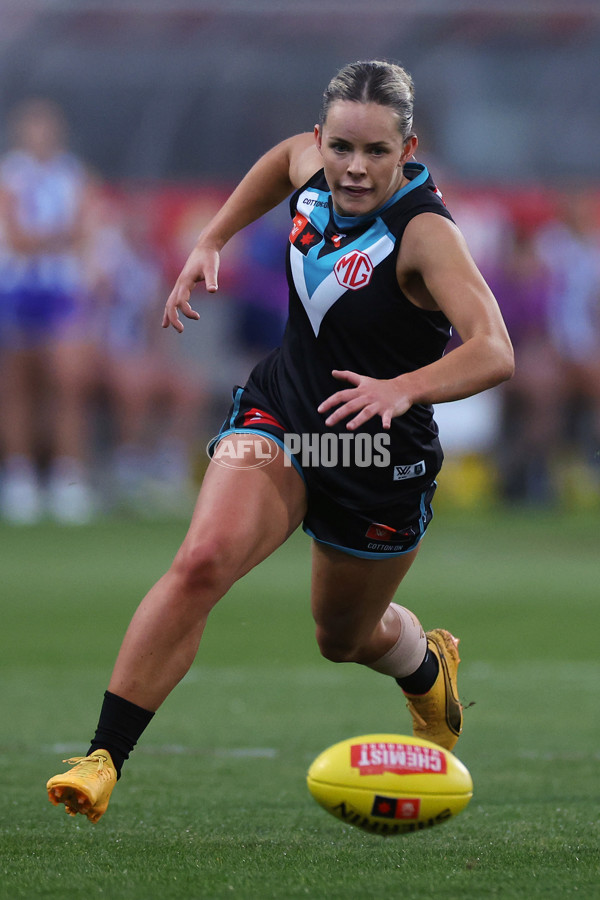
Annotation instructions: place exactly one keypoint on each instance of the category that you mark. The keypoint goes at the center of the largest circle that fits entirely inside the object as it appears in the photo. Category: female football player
(378, 275)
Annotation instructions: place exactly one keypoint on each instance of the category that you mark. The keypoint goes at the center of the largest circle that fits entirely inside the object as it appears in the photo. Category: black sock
(423, 679)
(120, 725)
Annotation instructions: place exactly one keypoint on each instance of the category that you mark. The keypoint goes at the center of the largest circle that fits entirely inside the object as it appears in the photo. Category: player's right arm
(281, 170)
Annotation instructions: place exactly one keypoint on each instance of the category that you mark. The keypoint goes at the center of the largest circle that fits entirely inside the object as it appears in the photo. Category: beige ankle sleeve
(408, 652)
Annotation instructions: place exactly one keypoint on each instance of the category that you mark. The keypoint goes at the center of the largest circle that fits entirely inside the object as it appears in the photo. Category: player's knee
(203, 570)
(335, 648)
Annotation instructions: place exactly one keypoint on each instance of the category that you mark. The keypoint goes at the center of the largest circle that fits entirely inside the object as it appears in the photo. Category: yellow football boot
(437, 715)
(87, 787)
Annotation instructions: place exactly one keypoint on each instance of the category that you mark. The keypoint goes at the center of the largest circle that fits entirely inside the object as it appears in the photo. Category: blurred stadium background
(168, 103)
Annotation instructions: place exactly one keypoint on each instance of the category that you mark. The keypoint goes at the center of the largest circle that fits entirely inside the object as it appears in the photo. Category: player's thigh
(350, 594)
(72, 366)
(19, 369)
(130, 381)
(246, 510)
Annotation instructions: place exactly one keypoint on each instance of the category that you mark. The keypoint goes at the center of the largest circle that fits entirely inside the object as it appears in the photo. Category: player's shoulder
(430, 228)
(305, 159)
(431, 241)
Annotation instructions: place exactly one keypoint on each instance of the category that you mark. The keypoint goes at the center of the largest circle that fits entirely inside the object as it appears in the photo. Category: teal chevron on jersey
(336, 263)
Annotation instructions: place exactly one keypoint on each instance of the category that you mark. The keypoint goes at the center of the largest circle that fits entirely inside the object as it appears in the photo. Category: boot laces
(76, 760)
(416, 716)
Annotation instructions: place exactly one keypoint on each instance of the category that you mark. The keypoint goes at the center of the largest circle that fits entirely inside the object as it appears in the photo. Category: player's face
(363, 153)
(40, 133)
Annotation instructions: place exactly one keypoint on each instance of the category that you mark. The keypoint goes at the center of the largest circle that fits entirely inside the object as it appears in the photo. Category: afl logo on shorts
(354, 270)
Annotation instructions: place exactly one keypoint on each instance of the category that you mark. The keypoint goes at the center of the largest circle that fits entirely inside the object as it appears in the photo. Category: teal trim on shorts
(371, 554)
(363, 554)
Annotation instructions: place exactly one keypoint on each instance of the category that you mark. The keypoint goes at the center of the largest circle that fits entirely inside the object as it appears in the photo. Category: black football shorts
(375, 531)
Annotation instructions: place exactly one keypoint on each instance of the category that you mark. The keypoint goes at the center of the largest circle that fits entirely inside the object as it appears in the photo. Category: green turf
(214, 802)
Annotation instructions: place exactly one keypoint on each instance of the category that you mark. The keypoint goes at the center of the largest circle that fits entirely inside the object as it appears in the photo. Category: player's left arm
(436, 272)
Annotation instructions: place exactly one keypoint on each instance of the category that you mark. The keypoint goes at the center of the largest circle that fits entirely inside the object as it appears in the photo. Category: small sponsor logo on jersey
(396, 807)
(400, 759)
(437, 191)
(298, 224)
(414, 470)
(312, 201)
(354, 270)
(309, 201)
(336, 240)
(303, 235)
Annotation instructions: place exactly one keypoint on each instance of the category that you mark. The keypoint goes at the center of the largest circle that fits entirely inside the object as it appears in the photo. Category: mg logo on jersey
(354, 270)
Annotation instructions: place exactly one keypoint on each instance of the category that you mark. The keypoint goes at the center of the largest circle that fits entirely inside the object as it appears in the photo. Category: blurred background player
(44, 203)
(154, 402)
(570, 248)
(533, 401)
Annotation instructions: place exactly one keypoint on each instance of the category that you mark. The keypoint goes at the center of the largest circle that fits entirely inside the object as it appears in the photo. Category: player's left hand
(367, 398)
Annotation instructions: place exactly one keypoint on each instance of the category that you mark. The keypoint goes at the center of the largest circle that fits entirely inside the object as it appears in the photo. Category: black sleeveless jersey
(347, 312)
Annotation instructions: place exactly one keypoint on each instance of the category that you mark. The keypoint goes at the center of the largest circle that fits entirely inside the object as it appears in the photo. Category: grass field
(213, 803)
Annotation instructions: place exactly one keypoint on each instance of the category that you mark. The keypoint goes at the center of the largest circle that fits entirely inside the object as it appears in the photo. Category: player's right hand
(202, 265)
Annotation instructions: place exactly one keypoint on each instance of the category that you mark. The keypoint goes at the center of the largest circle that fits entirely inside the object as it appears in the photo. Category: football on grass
(390, 784)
